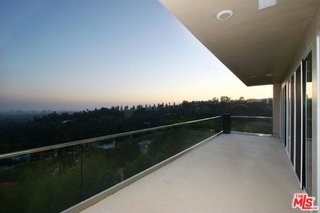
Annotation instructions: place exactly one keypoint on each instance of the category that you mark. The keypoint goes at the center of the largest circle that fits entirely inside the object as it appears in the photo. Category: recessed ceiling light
(224, 15)
(267, 3)
(269, 75)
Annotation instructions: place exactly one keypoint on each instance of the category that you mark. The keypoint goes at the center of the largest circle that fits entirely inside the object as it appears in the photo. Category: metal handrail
(258, 117)
(96, 139)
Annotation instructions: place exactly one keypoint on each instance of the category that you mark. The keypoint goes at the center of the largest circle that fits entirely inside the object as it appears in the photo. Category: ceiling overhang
(258, 46)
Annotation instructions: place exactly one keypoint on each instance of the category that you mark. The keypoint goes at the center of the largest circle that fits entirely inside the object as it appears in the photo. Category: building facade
(270, 42)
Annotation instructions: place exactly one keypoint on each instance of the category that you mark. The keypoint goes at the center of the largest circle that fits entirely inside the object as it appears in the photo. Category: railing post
(226, 123)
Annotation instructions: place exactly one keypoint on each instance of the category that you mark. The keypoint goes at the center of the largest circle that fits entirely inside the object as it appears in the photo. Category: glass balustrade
(58, 178)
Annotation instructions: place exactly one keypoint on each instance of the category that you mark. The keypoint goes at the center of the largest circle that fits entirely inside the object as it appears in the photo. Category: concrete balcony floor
(230, 173)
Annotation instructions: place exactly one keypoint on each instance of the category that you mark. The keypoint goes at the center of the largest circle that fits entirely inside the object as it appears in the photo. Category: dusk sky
(74, 55)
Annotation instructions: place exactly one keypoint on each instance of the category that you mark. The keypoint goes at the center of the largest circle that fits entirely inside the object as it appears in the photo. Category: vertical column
(226, 123)
(276, 110)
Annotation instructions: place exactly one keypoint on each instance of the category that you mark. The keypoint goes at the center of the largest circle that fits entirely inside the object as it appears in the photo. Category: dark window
(298, 123)
(292, 119)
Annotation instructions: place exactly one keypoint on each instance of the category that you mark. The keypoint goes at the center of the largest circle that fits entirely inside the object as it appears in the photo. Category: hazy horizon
(62, 107)
(74, 55)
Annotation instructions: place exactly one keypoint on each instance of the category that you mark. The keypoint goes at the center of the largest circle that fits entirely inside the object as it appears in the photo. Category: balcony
(230, 173)
(181, 167)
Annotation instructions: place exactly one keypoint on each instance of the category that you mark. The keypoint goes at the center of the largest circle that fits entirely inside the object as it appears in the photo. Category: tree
(225, 99)
(215, 99)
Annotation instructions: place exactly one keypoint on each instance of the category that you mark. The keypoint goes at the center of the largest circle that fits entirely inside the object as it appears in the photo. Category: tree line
(56, 127)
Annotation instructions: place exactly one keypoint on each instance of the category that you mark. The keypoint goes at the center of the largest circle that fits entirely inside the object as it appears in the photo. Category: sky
(81, 54)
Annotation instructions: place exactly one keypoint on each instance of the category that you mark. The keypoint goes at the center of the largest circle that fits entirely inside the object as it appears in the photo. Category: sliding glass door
(292, 118)
(307, 124)
(283, 115)
(298, 119)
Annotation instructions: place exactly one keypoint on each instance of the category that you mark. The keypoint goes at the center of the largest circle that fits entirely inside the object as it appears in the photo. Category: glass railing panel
(166, 143)
(252, 124)
(139, 158)
(202, 130)
(100, 167)
(48, 181)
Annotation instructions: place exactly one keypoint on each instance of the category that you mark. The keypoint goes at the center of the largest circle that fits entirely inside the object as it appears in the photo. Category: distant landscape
(23, 130)
(51, 181)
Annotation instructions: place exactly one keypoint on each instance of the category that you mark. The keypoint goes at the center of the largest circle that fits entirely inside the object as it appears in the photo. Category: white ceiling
(253, 43)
